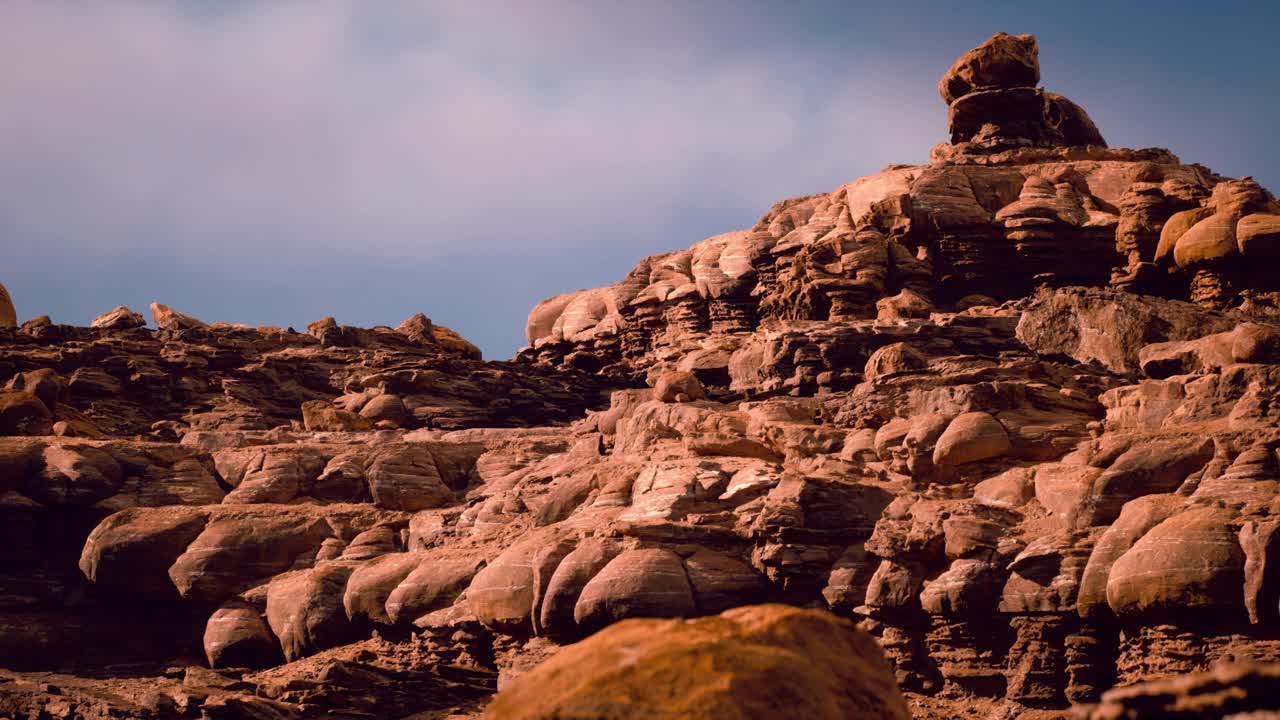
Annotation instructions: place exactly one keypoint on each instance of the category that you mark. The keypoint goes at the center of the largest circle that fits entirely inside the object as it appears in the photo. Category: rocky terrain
(1011, 414)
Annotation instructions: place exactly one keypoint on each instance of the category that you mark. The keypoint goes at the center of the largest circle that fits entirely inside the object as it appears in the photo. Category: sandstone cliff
(1012, 413)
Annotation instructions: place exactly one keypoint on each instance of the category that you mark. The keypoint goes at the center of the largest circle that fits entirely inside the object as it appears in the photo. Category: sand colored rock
(166, 318)
(119, 318)
(746, 663)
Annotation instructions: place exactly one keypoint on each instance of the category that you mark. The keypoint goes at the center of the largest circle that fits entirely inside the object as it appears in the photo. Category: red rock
(131, 551)
(320, 416)
(166, 318)
(678, 387)
(433, 585)
(22, 413)
(1136, 519)
(8, 318)
(746, 663)
(237, 636)
(1003, 61)
(233, 553)
(304, 609)
(120, 318)
(372, 583)
(406, 478)
(1190, 562)
(556, 616)
(636, 583)
(969, 438)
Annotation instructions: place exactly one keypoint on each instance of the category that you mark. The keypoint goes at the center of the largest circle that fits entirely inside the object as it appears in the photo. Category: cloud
(274, 162)
(402, 128)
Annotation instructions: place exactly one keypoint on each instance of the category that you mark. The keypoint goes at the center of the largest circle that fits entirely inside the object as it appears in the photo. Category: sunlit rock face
(1026, 195)
(1011, 414)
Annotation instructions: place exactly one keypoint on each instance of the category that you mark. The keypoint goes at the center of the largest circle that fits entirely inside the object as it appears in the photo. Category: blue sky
(274, 163)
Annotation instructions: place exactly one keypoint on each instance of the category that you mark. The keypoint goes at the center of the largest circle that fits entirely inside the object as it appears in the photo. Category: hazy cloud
(273, 162)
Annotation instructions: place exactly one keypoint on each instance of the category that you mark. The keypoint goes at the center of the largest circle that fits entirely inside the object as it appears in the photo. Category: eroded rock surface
(1013, 413)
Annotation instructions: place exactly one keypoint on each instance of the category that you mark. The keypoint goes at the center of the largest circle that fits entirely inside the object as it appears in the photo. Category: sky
(273, 163)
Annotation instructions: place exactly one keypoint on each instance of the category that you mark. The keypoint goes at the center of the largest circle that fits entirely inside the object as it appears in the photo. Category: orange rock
(749, 662)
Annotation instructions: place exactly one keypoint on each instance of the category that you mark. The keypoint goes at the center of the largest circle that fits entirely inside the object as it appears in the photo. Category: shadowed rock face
(1013, 413)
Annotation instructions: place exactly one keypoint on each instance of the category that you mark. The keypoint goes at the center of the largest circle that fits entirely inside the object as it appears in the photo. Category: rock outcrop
(8, 317)
(1012, 414)
(750, 662)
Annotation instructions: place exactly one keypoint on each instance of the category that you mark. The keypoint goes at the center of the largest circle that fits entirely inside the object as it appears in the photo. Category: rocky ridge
(1012, 413)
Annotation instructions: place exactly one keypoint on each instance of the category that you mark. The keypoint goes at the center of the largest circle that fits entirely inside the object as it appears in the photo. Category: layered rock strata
(935, 403)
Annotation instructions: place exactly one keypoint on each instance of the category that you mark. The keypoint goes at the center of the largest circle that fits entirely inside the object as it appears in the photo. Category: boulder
(1189, 563)
(678, 386)
(22, 413)
(1003, 61)
(305, 611)
(1011, 488)
(75, 475)
(388, 408)
(270, 473)
(235, 552)
(894, 359)
(44, 383)
(371, 543)
(750, 662)
(321, 416)
(1153, 467)
(130, 552)
(406, 477)
(501, 595)
(1110, 327)
(721, 582)
(971, 437)
(433, 585)
(556, 616)
(905, 305)
(166, 318)
(1136, 519)
(970, 587)
(636, 583)
(237, 636)
(342, 479)
(121, 318)
(371, 583)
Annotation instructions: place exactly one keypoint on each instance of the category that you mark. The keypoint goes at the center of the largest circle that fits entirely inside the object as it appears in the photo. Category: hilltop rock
(166, 318)
(121, 318)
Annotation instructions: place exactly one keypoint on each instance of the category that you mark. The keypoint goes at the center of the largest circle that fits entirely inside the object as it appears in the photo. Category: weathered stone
(636, 583)
(304, 609)
(121, 318)
(748, 662)
(237, 636)
(1190, 562)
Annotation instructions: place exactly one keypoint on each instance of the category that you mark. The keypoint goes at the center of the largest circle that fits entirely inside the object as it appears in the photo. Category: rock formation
(746, 663)
(1012, 413)
(8, 317)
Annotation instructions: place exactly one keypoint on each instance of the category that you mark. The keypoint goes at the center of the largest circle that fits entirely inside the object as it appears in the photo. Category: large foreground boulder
(750, 662)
